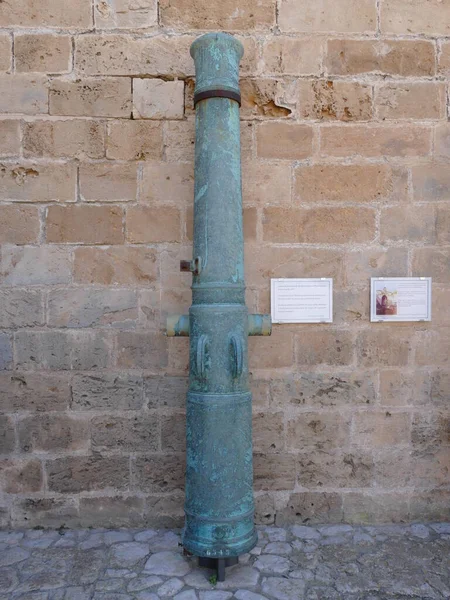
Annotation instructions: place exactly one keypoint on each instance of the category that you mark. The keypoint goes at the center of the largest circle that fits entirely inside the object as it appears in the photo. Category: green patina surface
(219, 478)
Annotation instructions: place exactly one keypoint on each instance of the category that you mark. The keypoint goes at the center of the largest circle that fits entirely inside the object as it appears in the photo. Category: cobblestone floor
(311, 563)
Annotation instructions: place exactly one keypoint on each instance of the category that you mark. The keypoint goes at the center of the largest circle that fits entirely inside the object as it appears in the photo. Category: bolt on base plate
(218, 564)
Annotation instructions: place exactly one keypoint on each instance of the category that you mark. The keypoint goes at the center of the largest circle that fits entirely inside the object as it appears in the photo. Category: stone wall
(345, 167)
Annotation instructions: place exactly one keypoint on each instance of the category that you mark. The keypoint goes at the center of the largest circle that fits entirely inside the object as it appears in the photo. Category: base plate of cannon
(218, 564)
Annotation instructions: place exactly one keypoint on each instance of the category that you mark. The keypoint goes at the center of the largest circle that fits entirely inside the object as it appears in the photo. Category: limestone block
(44, 53)
(129, 434)
(108, 182)
(53, 433)
(134, 140)
(88, 307)
(331, 15)
(9, 137)
(109, 391)
(30, 182)
(425, 100)
(19, 224)
(390, 57)
(107, 97)
(335, 100)
(158, 99)
(116, 265)
(74, 138)
(23, 93)
(87, 473)
(77, 224)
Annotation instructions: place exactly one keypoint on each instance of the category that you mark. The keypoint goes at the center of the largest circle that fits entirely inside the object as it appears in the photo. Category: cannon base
(218, 564)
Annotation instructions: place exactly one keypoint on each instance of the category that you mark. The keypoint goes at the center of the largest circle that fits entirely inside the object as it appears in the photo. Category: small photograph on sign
(302, 300)
(400, 299)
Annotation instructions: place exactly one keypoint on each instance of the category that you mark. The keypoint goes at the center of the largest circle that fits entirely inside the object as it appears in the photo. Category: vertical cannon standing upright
(219, 506)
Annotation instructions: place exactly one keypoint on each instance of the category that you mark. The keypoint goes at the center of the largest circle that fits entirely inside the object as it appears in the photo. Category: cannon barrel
(219, 506)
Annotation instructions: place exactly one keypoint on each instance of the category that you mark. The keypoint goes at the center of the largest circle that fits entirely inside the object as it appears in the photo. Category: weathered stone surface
(276, 350)
(391, 57)
(62, 350)
(381, 429)
(165, 391)
(170, 587)
(125, 14)
(108, 183)
(172, 183)
(290, 56)
(268, 432)
(332, 469)
(108, 97)
(173, 433)
(321, 430)
(20, 476)
(385, 348)
(24, 13)
(434, 262)
(122, 55)
(114, 511)
(6, 352)
(133, 434)
(77, 224)
(116, 265)
(158, 99)
(53, 433)
(274, 471)
(19, 265)
(46, 512)
(375, 263)
(167, 563)
(23, 93)
(134, 140)
(43, 392)
(284, 141)
(71, 138)
(110, 391)
(342, 16)
(19, 224)
(230, 15)
(282, 589)
(43, 53)
(319, 225)
(142, 350)
(153, 224)
(74, 474)
(312, 507)
(5, 52)
(78, 307)
(265, 262)
(159, 473)
(410, 101)
(406, 17)
(349, 183)
(418, 225)
(30, 182)
(335, 100)
(9, 136)
(329, 347)
(371, 508)
(266, 183)
(128, 554)
(375, 140)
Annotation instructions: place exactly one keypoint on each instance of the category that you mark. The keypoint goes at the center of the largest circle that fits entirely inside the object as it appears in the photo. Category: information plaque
(302, 300)
(400, 299)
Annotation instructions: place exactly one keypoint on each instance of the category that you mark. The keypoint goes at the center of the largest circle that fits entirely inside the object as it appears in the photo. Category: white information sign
(302, 300)
(400, 299)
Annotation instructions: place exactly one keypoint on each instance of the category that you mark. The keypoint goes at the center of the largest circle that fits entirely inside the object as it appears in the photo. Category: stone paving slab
(296, 563)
